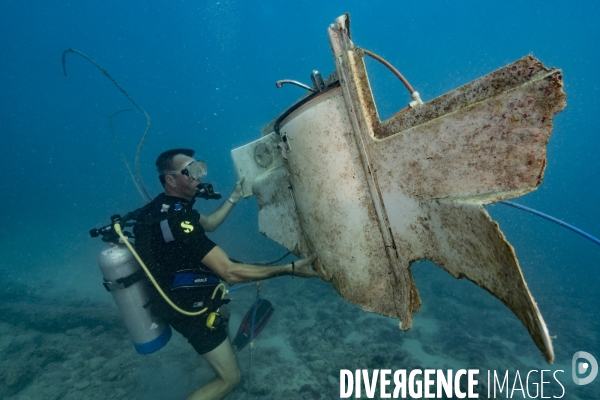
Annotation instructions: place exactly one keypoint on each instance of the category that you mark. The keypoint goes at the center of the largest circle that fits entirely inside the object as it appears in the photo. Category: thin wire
(552, 219)
(112, 130)
(139, 149)
(249, 376)
(252, 339)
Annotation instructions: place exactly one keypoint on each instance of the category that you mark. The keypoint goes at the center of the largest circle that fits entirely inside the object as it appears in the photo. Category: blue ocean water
(205, 73)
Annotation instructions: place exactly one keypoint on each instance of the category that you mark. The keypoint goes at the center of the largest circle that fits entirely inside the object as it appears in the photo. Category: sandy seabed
(63, 347)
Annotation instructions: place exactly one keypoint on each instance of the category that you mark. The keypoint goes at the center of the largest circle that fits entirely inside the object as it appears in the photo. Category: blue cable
(241, 287)
(556, 221)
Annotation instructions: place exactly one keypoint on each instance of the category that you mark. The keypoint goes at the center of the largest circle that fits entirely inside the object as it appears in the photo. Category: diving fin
(264, 310)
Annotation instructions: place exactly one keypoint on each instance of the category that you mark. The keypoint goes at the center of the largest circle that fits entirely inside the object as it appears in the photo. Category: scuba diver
(170, 238)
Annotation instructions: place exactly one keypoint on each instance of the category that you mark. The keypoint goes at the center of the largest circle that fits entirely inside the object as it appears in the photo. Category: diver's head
(180, 173)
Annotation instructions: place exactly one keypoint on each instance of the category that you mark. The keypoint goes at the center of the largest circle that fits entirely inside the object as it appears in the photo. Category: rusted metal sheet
(371, 197)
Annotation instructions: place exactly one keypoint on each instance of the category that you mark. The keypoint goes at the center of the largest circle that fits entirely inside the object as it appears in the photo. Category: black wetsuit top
(172, 243)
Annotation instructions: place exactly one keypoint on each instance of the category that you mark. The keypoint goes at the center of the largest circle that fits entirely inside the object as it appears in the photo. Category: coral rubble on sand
(61, 348)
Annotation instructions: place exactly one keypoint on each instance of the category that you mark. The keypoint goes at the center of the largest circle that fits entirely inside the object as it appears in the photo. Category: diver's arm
(212, 221)
(232, 272)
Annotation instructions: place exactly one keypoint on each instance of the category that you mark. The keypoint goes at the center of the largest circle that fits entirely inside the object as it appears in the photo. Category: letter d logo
(582, 367)
(187, 228)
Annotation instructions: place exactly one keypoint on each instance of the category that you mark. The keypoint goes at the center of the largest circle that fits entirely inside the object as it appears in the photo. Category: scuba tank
(125, 280)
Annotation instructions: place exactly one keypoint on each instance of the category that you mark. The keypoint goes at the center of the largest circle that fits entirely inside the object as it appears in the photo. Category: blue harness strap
(194, 279)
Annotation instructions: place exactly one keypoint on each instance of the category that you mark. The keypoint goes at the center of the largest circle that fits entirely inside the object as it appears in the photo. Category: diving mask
(195, 170)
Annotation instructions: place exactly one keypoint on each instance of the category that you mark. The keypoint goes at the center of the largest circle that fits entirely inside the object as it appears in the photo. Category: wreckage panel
(373, 197)
(261, 166)
(256, 158)
(467, 243)
(521, 72)
(463, 240)
(490, 151)
(336, 209)
(445, 149)
(276, 216)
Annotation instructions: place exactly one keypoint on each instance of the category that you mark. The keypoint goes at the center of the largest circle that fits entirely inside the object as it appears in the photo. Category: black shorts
(194, 329)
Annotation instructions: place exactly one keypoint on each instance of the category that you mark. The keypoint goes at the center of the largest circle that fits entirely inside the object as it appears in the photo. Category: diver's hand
(304, 269)
(236, 195)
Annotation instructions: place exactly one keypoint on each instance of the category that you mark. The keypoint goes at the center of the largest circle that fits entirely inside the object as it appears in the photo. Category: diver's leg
(228, 372)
